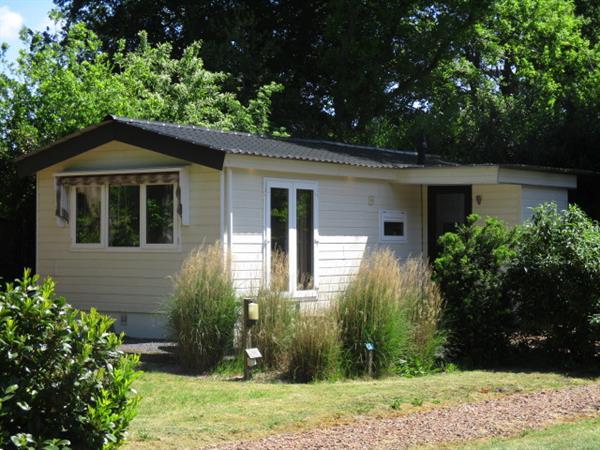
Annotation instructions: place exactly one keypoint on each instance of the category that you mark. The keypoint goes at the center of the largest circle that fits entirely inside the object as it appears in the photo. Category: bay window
(125, 211)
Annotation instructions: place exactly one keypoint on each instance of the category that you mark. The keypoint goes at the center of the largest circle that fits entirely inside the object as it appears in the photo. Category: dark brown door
(447, 206)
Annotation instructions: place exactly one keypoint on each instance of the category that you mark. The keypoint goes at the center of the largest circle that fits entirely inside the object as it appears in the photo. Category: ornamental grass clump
(314, 349)
(371, 310)
(64, 383)
(272, 332)
(396, 308)
(424, 306)
(204, 309)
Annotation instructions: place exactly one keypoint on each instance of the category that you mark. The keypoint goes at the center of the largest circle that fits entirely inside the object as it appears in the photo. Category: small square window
(392, 226)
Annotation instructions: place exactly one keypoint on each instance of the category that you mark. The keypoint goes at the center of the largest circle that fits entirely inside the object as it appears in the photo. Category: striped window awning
(119, 179)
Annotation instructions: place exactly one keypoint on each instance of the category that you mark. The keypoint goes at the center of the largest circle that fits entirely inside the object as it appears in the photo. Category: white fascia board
(292, 166)
(448, 175)
(536, 178)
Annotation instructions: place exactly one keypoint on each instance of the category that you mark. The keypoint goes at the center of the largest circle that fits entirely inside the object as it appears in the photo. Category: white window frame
(104, 222)
(292, 186)
(386, 215)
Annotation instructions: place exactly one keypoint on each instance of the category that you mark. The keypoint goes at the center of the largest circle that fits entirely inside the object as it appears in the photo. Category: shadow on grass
(161, 356)
(538, 360)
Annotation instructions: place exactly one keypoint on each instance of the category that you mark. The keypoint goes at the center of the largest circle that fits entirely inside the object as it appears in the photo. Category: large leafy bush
(204, 309)
(555, 280)
(470, 271)
(63, 382)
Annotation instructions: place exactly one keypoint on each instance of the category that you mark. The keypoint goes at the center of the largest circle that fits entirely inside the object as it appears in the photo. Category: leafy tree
(64, 83)
(491, 80)
(514, 89)
(347, 66)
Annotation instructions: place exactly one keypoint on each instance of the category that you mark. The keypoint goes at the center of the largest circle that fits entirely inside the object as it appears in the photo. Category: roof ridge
(277, 138)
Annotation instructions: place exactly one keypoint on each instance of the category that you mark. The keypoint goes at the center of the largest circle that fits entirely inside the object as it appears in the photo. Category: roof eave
(113, 130)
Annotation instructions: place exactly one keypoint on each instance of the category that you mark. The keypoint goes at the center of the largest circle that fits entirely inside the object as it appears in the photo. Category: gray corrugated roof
(286, 148)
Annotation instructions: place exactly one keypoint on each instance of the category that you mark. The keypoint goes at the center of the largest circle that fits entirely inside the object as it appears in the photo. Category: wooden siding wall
(534, 196)
(498, 200)
(121, 280)
(348, 225)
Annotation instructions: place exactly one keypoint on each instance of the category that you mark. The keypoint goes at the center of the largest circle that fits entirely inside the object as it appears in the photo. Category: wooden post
(246, 339)
(370, 362)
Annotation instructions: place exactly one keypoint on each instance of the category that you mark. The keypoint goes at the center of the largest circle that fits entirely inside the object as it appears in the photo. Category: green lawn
(581, 435)
(186, 411)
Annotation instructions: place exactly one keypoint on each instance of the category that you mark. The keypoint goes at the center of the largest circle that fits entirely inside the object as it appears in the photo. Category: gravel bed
(148, 347)
(503, 416)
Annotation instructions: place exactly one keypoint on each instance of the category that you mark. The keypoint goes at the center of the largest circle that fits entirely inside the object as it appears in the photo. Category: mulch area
(499, 417)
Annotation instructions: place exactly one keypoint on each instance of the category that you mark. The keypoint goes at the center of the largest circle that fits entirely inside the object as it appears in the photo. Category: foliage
(470, 272)
(555, 280)
(520, 89)
(314, 349)
(66, 82)
(396, 44)
(63, 381)
(204, 309)
(491, 80)
(273, 331)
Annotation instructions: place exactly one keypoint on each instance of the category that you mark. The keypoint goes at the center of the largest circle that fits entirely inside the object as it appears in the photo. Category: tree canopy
(485, 80)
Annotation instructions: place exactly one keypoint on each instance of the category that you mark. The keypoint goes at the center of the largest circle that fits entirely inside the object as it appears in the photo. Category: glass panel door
(304, 240)
(292, 230)
(280, 232)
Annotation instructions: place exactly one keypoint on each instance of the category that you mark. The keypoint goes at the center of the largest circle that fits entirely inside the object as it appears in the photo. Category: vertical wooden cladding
(348, 224)
(122, 280)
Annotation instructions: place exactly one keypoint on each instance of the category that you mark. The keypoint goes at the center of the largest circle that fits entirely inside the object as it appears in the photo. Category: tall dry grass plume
(272, 333)
(204, 309)
(395, 307)
(314, 350)
(424, 306)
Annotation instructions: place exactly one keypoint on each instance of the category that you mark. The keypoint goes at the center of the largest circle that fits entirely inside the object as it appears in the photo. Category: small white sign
(253, 353)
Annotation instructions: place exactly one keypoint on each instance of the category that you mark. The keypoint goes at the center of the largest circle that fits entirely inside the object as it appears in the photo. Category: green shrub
(273, 331)
(314, 349)
(203, 309)
(470, 272)
(370, 309)
(63, 382)
(555, 280)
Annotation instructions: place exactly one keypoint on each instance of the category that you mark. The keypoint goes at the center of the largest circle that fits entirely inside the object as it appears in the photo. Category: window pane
(393, 228)
(305, 239)
(124, 216)
(279, 234)
(159, 214)
(87, 207)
